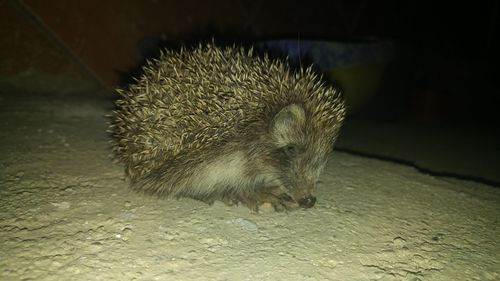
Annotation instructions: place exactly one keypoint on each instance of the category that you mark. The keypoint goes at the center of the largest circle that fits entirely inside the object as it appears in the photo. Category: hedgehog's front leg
(278, 197)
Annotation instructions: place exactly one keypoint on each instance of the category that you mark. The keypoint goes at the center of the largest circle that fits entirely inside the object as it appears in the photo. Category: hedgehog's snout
(307, 201)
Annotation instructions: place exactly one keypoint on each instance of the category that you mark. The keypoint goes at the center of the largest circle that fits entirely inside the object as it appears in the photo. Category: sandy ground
(66, 214)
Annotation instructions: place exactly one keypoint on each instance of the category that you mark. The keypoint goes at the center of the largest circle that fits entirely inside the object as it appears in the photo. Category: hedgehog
(225, 124)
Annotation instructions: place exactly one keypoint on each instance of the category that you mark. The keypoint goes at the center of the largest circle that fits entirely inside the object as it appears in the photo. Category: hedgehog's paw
(284, 202)
(208, 201)
(278, 198)
(229, 200)
(252, 203)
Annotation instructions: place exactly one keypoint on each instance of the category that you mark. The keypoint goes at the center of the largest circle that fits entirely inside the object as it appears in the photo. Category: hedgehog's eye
(290, 150)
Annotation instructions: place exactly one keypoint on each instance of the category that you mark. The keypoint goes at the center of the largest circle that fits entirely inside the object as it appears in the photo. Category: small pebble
(244, 223)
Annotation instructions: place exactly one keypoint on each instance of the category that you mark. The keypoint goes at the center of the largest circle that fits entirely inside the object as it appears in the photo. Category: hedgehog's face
(299, 156)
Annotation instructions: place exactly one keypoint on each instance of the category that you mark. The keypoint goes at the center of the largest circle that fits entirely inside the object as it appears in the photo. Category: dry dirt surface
(67, 214)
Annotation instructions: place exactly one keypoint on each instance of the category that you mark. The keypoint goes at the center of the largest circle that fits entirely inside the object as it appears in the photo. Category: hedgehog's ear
(287, 124)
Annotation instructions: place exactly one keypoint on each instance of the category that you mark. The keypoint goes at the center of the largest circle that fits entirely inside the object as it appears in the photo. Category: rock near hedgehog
(224, 124)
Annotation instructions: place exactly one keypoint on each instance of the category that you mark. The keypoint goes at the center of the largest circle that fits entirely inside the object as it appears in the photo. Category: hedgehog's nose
(307, 202)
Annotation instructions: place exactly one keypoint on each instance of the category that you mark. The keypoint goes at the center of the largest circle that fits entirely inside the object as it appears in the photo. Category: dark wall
(446, 68)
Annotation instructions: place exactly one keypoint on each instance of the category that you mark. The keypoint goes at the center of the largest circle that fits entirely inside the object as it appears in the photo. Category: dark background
(446, 69)
(445, 74)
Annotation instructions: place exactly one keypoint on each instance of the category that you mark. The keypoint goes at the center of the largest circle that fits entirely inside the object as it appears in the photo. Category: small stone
(399, 242)
(244, 223)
